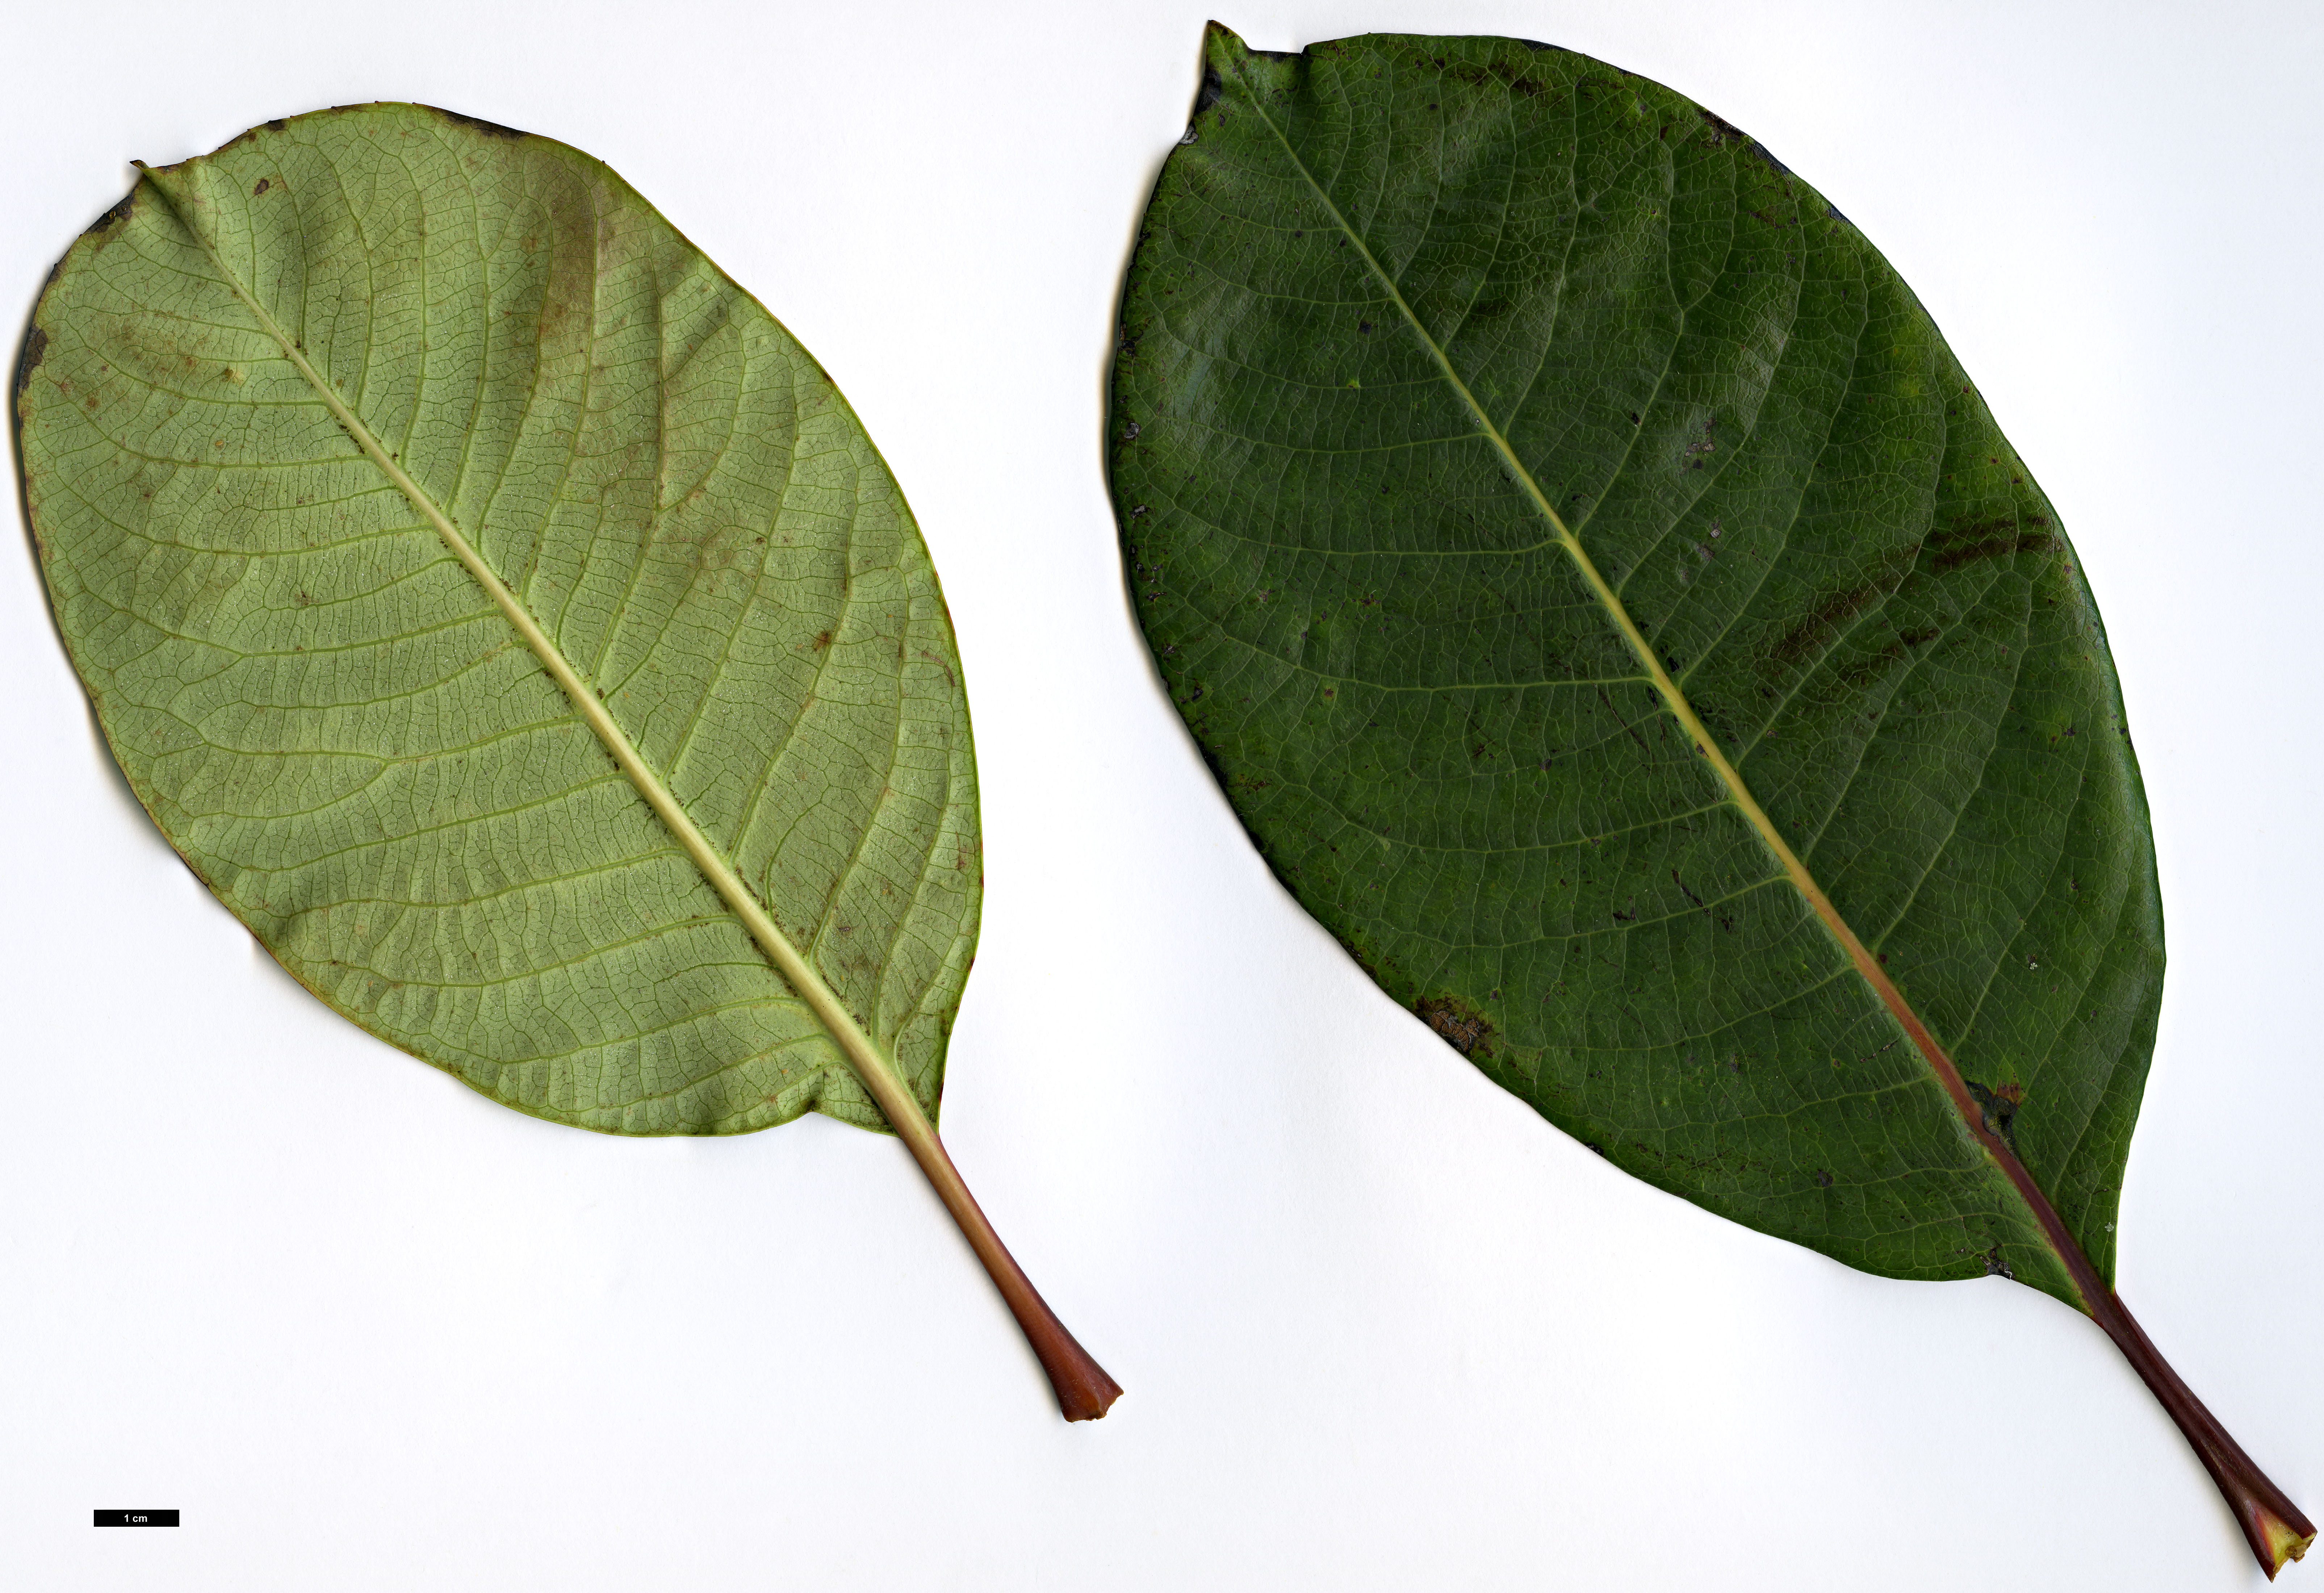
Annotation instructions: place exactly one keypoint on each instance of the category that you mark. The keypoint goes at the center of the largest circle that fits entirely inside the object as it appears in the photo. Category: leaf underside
(1406, 312)
(328, 715)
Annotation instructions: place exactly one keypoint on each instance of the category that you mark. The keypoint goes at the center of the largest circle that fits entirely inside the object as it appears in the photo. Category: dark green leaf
(1617, 618)
(1457, 378)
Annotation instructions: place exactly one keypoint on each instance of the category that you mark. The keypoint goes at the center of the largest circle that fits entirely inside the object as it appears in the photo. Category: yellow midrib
(1705, 744)
(871, 1064)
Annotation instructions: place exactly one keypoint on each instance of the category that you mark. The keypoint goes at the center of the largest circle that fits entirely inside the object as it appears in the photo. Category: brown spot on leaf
(1965, 542)
(119, 212)
(1998, 1108)
(1722, 130)
(36, 345)
(1864, 671)
(1463, 1028)
(1485, 74)
(1830, 616)
(490, 129)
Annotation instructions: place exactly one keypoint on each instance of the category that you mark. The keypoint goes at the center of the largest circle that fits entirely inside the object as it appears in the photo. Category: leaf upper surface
(264, 397)
(1504, 446)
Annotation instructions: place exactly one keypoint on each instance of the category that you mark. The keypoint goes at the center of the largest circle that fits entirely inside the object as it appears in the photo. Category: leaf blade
(1258, 386)
(721, 1043)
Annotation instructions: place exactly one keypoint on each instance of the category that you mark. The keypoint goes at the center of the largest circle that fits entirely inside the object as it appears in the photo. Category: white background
(1381, 1327)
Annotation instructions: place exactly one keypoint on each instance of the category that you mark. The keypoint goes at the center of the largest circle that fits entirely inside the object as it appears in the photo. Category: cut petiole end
(2276, 1529)
(1085, 1391)
(2275, 1540)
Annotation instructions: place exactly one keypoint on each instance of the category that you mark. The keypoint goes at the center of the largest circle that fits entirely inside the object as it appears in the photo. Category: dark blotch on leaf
(1823, 622)
(1999, 1107)
(1966, 542)
(36, 344)
(1463, 1028)
(117, 213)
(1723, 130)
(492, 128)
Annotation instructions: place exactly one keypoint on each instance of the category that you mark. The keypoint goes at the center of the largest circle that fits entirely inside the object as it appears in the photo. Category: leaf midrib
(880, 1077)
(2060, 1241)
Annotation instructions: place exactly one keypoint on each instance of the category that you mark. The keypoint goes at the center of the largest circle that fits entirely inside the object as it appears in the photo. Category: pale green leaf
(441, 537)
